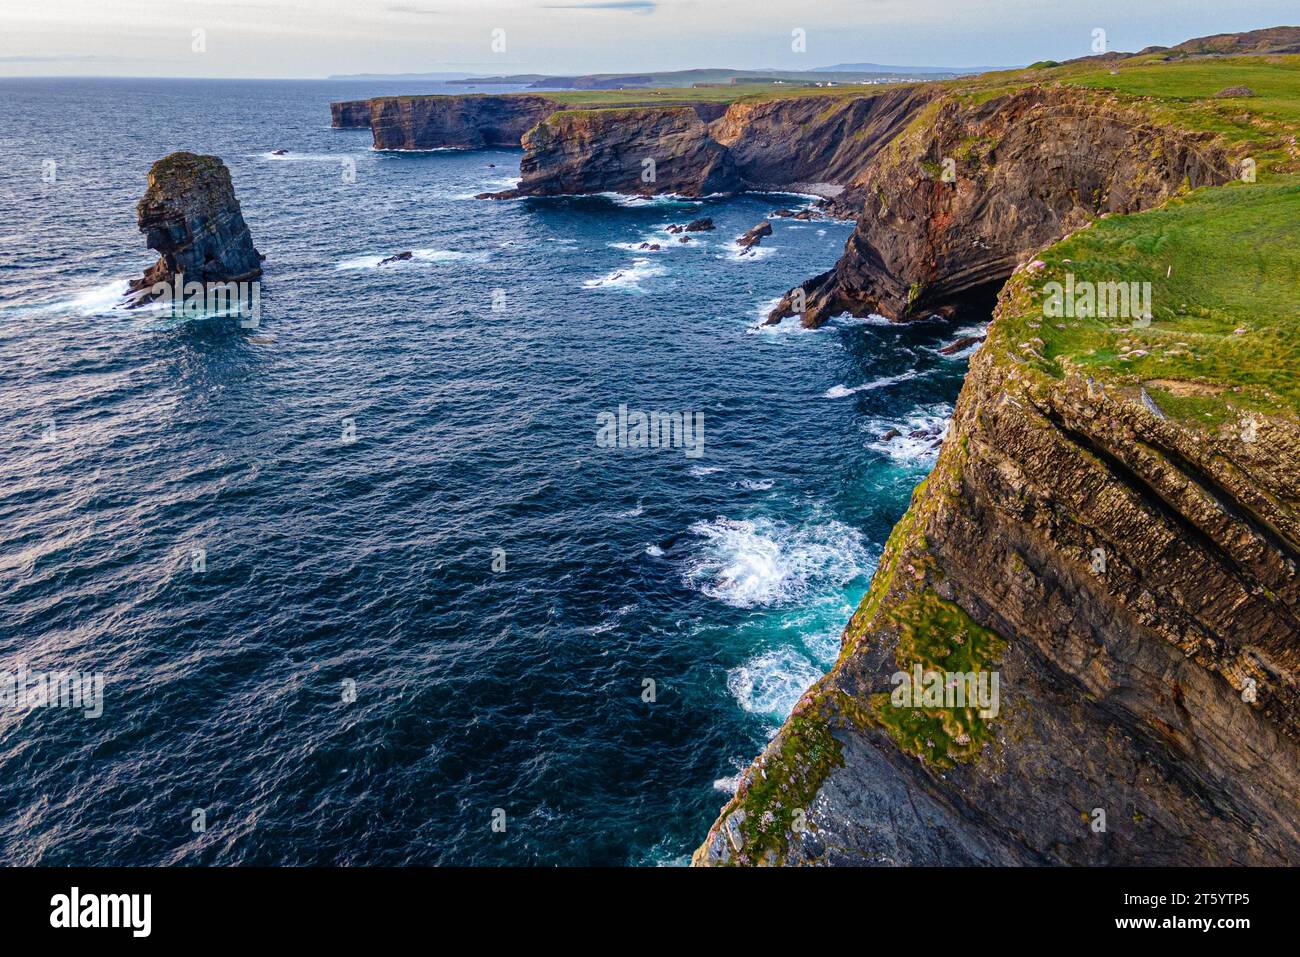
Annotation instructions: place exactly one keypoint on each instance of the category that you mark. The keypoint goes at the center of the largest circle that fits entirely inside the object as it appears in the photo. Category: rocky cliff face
(970, 189)
(814, 140)
(350, 114)
(455, 122)
(806, 143)
(190, 215)
(1133, 582)
(641, 150)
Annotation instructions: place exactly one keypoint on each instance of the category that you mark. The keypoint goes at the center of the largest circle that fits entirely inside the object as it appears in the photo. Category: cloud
(407, 8)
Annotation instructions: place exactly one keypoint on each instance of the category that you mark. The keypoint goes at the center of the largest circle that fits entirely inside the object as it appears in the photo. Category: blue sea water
(130, 440)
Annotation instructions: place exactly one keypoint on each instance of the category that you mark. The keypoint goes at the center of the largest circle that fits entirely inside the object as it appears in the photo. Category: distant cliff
(628, 150)
(350, 114)
(807, 143)
(455, 122)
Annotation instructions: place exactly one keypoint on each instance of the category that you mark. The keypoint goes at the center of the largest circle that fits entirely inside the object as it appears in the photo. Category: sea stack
(190, 215)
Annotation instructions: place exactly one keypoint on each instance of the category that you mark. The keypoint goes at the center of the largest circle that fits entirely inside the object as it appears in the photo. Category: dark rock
(190, 215)
(1233, 91)
(279, 152)
(455, 122)
(956, 346)
(754, 236)
(591, 151)
(700, 225)
(890, 435)
(923, 247)
(351, 114)
(399, 257)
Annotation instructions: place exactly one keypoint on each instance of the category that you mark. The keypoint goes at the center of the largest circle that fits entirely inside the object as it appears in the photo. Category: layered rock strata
(190, 215)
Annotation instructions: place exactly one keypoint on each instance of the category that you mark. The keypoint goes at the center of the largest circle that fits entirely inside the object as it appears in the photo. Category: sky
(317, 38)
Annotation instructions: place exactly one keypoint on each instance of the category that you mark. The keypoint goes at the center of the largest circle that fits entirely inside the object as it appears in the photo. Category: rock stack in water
(190, 215)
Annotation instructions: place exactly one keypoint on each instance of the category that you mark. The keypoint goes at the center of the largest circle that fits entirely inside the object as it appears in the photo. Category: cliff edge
(1082, 642)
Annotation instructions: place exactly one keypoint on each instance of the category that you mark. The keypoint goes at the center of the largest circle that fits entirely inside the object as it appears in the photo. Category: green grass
(939, 636)
(1224, 268)
(1190, 86)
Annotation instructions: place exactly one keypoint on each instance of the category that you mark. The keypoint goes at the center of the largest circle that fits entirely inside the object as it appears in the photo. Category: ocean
(362, 584)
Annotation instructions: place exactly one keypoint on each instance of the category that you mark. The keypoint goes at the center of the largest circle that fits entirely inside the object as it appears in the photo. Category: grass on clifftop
(1224, 268)
(1223, 262)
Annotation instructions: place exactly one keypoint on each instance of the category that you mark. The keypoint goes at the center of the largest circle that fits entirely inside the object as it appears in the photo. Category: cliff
(639, 150)
(350, 115)
(805, 143)
(473, 121)
(190, 215)
(971, 187)
(1112, 530)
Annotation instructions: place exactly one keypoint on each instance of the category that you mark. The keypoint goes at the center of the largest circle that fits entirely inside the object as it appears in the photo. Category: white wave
(635, 247)
(699, 471)
(305, 157)
(735, 253)
(824, 646)
(636, 201)
(757, 485)
(654, 551)
(840, 391)
(727, 785)
(930, 421)
(103, 299)
(848, 319)
(788, 326)
(95, 301)
(772, 683)
(766, 562)
(633, 512)
(417, 256)
(431, 149)
(627, 278)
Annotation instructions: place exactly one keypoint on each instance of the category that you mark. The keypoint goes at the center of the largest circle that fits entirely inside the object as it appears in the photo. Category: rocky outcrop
(754, 235)
(640, 150)
(350, 115)
(814, 141)
(1133, 583)
(969, 189)
(190, 215)
(474, 121)
(813, 144)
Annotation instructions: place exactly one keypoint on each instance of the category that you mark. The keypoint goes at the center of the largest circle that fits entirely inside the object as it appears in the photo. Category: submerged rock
(190, 215)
